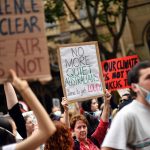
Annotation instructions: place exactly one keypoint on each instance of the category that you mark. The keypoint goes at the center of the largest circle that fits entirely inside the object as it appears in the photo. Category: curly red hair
(61, 139)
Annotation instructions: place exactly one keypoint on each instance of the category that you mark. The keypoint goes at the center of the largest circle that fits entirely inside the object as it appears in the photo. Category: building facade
(135, 38)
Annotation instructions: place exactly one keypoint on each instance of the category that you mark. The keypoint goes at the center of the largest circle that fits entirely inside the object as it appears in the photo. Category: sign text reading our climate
(115, 71)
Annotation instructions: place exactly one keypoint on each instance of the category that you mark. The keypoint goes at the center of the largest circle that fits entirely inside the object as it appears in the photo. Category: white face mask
(97, 113)
(57, 113)
(147, 97)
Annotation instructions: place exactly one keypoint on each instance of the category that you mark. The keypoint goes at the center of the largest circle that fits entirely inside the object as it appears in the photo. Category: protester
(130, 127)
(89, 107)
(30, 125)
(56, 111)
(23, 121)
(92, 107)
(14, 109)
(62, 138)
(125, 100)
(46, 126)
(79, 126)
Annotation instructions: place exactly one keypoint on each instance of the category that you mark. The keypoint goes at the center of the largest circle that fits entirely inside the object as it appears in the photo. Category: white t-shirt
(130, 128)
(9, 147)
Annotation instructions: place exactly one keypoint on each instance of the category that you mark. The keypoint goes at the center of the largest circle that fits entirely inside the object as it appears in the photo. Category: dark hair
(6, 137)
(92, 123)
(134, 73)
(61, 139)
(128, 95)
(5, 123)
(86, 105)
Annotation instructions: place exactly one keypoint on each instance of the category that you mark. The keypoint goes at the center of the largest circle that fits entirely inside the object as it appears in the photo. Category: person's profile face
(29, 125)
(94, 105)
(144, 78)
(143, 83)
(80, 130)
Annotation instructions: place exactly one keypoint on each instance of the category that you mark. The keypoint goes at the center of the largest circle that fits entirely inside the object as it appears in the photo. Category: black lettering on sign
(77, 51)
(114, 84)
(27, 46)
(119, 74)
(110, 66)
(18, 7)
(29, 66)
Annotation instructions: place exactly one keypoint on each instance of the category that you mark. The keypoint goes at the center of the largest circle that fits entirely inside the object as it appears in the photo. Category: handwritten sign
(23, 44)
(81, 74)
(115, 71)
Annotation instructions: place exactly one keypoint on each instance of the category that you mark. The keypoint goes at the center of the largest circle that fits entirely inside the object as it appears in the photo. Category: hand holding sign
(81, 74)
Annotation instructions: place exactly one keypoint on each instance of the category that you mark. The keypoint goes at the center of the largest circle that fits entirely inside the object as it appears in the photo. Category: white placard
(80, 71)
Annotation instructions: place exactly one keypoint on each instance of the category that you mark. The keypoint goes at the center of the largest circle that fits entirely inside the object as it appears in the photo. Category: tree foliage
(53, 10)
(106, 11)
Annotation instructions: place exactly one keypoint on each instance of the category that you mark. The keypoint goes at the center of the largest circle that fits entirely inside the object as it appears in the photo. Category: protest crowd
(91, 126)
(89, 115)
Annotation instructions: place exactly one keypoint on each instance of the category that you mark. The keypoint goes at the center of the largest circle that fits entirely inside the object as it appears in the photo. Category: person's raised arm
(46, 126)
(14, 109)
(101, 130)
(66, 112)
(106, 109)
(11, 97)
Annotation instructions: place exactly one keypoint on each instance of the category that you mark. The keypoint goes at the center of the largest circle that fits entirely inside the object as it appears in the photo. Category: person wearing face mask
(130, 127)
(126, 99)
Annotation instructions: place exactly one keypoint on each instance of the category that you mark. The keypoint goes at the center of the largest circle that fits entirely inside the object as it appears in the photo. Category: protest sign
(81, 74)
(23, 45)
(115, 71)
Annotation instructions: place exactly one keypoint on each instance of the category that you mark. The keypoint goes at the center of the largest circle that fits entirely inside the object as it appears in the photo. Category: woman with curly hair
(61, 139)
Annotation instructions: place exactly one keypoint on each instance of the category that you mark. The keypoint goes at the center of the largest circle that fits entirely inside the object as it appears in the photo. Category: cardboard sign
(115, 71)
(81, 74)
(23, 45)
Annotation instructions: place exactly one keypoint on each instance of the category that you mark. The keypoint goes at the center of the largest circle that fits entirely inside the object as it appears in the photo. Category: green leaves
(53, 10)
